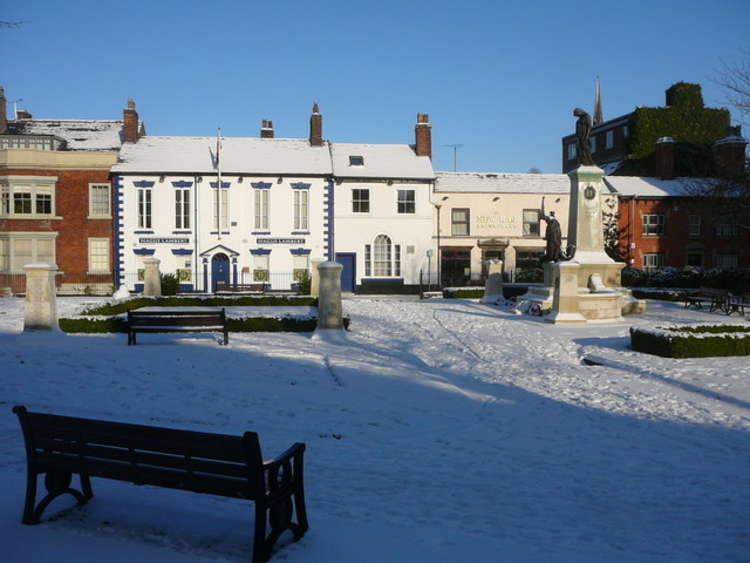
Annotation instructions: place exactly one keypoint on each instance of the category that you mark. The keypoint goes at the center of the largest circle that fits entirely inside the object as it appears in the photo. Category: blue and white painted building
(255, 210)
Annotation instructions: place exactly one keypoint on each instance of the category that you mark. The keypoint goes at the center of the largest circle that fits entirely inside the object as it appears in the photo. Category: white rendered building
(260, 225)
(382, 212)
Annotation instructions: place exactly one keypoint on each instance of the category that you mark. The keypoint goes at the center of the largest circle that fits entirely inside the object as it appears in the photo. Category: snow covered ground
(440, 431)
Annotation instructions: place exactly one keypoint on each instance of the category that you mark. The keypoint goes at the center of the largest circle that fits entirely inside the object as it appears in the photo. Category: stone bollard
(315, 278)
(330, 313)
(151, 277)
(493, 287)
(565, 303)
(41, 301)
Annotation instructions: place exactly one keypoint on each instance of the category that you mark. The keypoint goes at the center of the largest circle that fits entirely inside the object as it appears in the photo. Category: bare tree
(735, 79)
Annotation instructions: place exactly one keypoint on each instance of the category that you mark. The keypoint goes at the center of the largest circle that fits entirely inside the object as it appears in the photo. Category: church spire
(598, 115)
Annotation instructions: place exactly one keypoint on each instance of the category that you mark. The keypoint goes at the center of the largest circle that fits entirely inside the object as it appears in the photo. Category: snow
(239, 155)
(380, 161)
(437, 430)
(80, 134)
(501, 182)
(656, 187)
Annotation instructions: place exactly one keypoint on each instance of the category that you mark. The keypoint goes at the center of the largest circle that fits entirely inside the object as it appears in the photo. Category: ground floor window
(694, 258)
(726, 261)
(260, 267)
(99, 256)
(300, 267)
(19, 249)
(455, 265)
(382, 258)
(653, 260)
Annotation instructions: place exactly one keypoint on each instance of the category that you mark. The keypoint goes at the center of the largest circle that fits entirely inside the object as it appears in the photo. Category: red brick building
(56, 199)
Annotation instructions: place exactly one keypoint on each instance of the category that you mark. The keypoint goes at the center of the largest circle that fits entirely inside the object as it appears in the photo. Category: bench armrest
(293, 451)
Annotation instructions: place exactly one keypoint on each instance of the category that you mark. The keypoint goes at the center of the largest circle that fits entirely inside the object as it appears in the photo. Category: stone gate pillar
(315, 278)
(330, 314)
(41, 301)
(493, 287)
(152, 277)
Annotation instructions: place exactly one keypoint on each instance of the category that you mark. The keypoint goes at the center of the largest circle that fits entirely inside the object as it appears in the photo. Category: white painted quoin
(383, 215)
(261, 225)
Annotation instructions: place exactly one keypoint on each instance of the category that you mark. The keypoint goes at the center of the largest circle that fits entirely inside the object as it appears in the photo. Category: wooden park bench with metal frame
(198, 320)
(737, 303)
(217, 464)
(714, 299)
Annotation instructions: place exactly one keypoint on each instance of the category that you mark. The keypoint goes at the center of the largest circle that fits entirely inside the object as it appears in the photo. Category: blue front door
(349, 274)
(219, 271)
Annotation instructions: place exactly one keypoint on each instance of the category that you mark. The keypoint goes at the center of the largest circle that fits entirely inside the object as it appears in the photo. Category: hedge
(478, 292)
(736, 280)
(692, 341)
(265, 301)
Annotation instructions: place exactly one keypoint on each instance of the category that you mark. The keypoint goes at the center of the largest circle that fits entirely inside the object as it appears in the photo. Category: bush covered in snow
(692, 341)
(265, 301)
(688, 277)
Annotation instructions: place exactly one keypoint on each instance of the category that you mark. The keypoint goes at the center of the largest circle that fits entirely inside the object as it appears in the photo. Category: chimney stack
(130, 123)
(729, 155)
(266, 129)
(316, 127)
(423, 134)
(665, 161)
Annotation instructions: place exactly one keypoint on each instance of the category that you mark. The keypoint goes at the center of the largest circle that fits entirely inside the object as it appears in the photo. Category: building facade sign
(485, 222)
(163, 240)
(281, 241)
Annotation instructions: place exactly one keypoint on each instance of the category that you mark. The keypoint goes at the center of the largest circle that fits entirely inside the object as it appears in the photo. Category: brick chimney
(266, 129)
(3, 111)
(423, 134)
(316, 127)
(729, 155)
(665, 153)
(130, 128)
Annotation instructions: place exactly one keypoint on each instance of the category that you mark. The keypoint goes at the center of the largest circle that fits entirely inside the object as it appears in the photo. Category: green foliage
(271, 325)
(684, 342)
(464, 293)
(530, 275)
(170, 285)
(260, 275)
(304, 280)
(93, 325)
(736, 281)
(685, 123)
(265, 301)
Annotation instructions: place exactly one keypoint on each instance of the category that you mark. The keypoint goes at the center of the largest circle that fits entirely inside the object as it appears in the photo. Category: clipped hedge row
(478, 292)
(93, 326)
(732, 280)
(692, 341)
(265, 301)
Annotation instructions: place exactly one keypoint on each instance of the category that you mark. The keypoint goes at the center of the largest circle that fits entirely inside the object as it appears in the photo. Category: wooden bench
(230, 466)
(714, 299)
(198, 320)
(258, 287)
(737, 303)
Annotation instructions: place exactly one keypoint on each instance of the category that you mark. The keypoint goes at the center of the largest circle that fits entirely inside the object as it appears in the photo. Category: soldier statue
(583, 134)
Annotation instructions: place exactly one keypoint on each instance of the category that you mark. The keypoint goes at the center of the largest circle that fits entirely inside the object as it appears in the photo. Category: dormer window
(356, 160)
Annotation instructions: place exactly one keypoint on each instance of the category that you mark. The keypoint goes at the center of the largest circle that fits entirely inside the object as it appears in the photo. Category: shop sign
(495, 222)
(281, 241)
(163, 240)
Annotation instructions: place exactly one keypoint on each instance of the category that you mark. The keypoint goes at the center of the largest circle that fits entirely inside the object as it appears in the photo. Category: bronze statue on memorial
(583, 134)
(553, 236)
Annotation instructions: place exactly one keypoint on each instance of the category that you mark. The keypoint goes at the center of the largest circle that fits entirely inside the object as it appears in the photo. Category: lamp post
(437, 210)
(429, 269)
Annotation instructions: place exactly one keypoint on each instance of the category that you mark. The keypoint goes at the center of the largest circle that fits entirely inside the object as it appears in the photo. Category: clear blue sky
(501, 78)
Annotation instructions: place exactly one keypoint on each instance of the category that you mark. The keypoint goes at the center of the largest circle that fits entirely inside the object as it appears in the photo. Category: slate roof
(78, 134)
(380, 161)
(499, 182)
(239, 155)
(645, 187)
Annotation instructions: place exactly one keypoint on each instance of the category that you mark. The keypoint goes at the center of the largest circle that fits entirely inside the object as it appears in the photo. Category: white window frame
(144, 204)
(93, 188)
(609, 139)
(531, 223)
(358, 202)
(262, 208)
(383, 258)
(572, 152)
(695, 223)
(95, 260)
(652, 260)
(35, 186)
(593, 144)
(653, 224)
(466, 222)
(301, 210)
(182, 198)
(9, 240)
(406, 202)
(221, 199)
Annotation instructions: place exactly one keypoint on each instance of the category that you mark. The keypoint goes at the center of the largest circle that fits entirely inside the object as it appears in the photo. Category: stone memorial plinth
(330, 313)
(565, 301)
(151, 277)
(40, 311)
(493, 287)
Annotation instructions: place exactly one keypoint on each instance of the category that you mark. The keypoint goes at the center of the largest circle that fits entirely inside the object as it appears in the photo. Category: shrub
(304, 281)
(733, 280)
(692, 341)
(464, 293)
(93, 325)
(265, 301)
(170, 285)
(530, 275)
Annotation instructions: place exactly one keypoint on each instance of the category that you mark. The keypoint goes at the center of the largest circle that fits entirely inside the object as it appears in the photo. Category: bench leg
(261, 552)
(57, 483)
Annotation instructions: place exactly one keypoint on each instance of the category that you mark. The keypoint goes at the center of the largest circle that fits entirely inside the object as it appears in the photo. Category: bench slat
(166, 440)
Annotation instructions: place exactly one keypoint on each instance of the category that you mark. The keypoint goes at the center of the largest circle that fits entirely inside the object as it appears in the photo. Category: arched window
(382, 261)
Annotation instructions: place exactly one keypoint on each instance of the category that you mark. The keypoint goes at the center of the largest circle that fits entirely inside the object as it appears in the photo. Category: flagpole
(218, 183)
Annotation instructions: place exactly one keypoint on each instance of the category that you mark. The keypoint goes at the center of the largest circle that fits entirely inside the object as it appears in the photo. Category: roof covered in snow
(501, 182)
(380, 161)
(239, 155)
(641, 186)
(78, 134)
